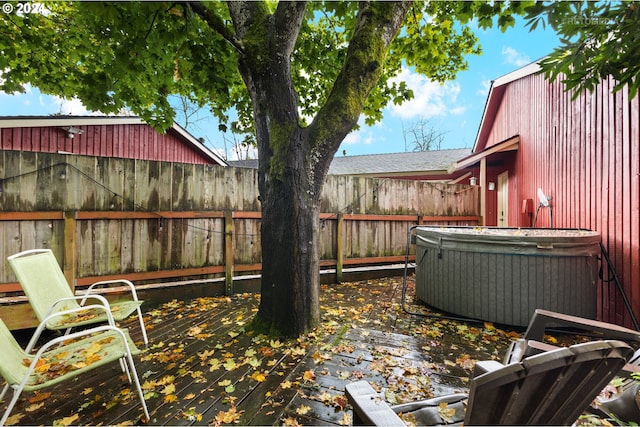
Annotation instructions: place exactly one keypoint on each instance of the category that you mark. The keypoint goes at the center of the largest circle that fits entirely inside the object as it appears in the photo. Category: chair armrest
(43, 325)
(104, 283)
(83, 299)
(368, 406)
(80, 334)
(484, 366)
(541, 318)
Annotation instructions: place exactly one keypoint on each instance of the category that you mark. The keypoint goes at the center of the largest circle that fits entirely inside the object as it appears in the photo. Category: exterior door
(503, 205)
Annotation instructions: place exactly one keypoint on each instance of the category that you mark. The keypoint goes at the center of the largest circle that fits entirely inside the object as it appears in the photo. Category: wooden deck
(201, 368)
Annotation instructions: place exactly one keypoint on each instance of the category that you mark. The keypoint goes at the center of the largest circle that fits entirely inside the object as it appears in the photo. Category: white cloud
(458, 111)
(430, 99)
(361, 136)
(72, 106)
(485, 85)
(512, 56)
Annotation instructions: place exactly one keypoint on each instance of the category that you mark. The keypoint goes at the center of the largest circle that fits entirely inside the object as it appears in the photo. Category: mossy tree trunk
(294, 159)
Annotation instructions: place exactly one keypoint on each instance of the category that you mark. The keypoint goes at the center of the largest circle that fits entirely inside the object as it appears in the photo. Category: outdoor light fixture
(72, 131)
(492, 186)
(473, 180)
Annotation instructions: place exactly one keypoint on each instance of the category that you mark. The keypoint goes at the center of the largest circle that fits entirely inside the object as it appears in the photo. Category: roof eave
(494, 98)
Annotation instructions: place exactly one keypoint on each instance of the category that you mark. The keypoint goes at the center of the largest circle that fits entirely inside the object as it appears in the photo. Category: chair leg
(14, 399)
(144, 331)
(4, 391)
(134, 374)
(125, 368)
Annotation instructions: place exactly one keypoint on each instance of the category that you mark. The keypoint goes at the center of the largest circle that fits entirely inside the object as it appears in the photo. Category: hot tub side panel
(505, 288)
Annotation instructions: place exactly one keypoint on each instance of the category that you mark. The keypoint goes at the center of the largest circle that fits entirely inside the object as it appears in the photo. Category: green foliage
(599, 40)
(120, 55)
(135, 54)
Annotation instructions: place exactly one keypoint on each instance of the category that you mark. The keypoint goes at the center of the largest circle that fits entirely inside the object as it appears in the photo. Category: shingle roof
(386, 164)
(396, 163)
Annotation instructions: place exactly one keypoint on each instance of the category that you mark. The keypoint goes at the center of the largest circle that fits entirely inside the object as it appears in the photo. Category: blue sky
(454, 109)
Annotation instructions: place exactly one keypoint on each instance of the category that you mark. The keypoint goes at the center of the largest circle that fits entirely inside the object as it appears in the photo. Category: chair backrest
(42, 280)
(551, 388)
(11, 356)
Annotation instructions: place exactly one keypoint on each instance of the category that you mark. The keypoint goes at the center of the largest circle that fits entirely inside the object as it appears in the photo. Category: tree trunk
(293, 161)
(289, 302)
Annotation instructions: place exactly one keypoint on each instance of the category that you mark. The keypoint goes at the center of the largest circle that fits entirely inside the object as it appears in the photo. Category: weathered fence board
(154, 220)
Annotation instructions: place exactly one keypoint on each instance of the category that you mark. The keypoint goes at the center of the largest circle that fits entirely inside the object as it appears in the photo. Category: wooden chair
(48, 292)
(550, 388)
(624, 405)
(72, 355)
(541, 320)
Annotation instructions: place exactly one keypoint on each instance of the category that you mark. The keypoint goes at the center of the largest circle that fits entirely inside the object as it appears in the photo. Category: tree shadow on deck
(201, 368)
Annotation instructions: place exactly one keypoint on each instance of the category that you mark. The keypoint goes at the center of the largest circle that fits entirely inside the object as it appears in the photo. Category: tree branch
(377, 24)
(216, 24)
(288, 20)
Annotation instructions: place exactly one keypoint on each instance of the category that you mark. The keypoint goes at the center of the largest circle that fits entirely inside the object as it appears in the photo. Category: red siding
(121, 140)
(585, 153)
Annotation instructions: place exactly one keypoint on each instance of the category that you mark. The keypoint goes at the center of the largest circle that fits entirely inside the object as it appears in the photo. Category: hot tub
(503, 274)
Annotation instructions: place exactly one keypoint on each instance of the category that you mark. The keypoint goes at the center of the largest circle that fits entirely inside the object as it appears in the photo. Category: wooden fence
(157, 221)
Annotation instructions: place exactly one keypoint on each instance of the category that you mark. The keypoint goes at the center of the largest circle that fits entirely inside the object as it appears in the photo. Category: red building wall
(585, 153)
(133, 141)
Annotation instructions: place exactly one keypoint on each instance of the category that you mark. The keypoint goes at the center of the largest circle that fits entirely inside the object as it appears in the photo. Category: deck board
(365, 334)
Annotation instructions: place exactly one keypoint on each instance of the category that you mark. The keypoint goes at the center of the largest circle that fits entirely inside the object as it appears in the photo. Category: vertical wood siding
(133, 141)
(585, 153)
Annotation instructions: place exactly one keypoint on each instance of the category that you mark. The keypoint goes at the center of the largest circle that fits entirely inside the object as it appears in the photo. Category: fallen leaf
(227, 417)
(298, 351)
(340, 401)
(266, 351)
(309, 376)
(325, 397)
(254, 362)
(214, 365)
(230, 364)
(39, 396)
(466, 362)
(346, 419)
(169, 398)
(258, 376)
(34, 407)
(169, 389)
(343, 375)
(291, 422)
(191, 415)
(303, 410)
(66, 421)
(445, 412)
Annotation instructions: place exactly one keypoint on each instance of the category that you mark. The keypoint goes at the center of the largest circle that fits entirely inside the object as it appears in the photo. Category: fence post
(70, 249)
(339, 247)
(228, 252)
